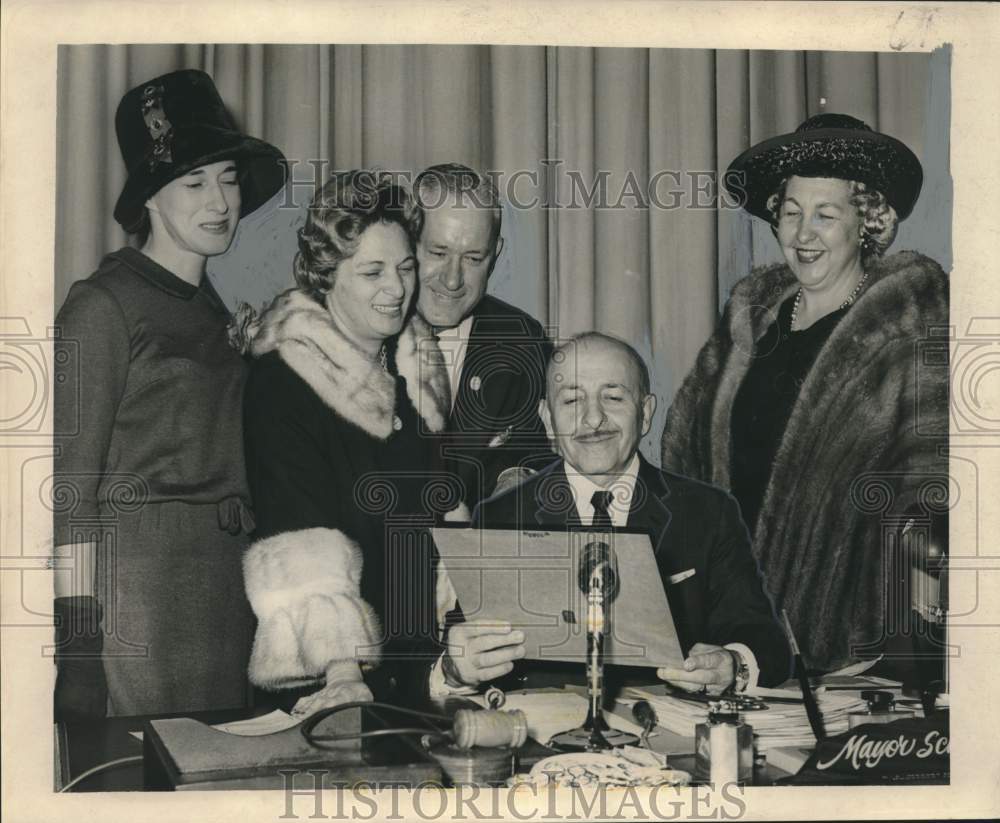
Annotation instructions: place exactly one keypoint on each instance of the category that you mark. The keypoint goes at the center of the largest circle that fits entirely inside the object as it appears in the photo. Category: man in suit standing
(495, 353)
(597, 408)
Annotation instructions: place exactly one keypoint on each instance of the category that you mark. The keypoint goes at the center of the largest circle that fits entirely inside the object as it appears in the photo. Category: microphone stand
(595, 735)
(595, 722)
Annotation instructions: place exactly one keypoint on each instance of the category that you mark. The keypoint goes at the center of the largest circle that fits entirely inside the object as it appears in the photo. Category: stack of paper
(781, 724)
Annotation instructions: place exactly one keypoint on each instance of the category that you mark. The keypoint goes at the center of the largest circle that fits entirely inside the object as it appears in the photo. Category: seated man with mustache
(597, 408)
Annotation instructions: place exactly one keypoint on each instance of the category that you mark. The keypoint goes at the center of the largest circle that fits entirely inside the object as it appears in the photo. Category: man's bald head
(597, 404)
(595, 341)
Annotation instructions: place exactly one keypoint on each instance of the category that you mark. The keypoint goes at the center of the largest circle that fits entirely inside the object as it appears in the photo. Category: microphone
(599, 557)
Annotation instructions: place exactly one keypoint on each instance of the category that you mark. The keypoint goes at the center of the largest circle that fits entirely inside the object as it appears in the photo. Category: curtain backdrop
(554, 122)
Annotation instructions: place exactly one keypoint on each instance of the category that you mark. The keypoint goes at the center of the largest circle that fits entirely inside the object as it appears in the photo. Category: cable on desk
(113, 764)
(321, 741)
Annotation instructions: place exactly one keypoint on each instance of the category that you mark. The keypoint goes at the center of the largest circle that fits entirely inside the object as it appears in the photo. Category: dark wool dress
(781, 363)
(149, 463)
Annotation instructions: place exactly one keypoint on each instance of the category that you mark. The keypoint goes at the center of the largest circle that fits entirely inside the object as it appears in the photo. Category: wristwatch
(741, 675)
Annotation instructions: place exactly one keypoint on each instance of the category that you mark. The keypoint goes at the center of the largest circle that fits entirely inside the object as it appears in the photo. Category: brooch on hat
(500, 438)
(160, 128)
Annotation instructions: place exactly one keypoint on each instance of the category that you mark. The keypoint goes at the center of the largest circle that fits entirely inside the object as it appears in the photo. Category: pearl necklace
(383, 361)
(850, 299)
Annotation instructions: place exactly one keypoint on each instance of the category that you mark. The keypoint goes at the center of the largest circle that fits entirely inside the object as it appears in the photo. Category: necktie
(601, 500)
(435, 356)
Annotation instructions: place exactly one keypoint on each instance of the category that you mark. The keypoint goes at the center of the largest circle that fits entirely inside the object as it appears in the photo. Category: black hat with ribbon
(175, 123)
(827, 145)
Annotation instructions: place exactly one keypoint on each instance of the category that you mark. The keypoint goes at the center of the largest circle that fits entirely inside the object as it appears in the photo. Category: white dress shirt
(621, 490)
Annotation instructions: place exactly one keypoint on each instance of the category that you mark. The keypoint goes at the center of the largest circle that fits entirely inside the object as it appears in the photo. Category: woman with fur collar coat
(343, 397)
(812, 403)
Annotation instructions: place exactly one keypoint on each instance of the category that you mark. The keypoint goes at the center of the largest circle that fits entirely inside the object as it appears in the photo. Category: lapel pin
(500, 438)
(397, 424)
(475, 383)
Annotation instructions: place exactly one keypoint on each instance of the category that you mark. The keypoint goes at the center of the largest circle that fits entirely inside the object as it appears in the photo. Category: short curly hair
(879, 221)
(347, 204)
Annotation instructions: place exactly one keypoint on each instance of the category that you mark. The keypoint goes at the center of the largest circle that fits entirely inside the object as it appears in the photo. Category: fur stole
(304, 335)
(304, 586)
(862, 442)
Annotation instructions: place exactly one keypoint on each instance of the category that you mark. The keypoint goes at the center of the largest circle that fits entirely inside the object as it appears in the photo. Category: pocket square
(680, 577)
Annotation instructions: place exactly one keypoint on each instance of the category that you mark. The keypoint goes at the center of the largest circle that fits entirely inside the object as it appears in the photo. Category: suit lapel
(649, 504)
(553, 499)
(462, 400)
(469, 394)
(504, 384)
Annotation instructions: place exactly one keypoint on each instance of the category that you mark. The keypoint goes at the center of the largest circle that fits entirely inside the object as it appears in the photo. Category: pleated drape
(647, 130)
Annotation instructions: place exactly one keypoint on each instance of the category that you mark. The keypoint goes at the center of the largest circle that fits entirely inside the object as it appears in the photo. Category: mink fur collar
(305, 336)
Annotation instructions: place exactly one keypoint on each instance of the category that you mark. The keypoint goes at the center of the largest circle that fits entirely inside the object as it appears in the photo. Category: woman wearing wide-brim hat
(808, 403)
(151, 497)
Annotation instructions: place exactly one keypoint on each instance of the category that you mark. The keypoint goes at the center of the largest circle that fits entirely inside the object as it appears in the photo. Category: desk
(82, 746)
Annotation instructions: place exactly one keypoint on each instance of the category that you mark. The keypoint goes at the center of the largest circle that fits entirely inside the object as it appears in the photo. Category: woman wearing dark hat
(343, 398)
(806, 394)
(150, 482)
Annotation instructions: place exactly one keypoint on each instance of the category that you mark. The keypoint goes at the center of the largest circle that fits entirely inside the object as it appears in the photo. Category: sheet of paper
(761, 691)
(857, 682)
(530, 579)
(276, 721)
(855, 668)
(552, 712)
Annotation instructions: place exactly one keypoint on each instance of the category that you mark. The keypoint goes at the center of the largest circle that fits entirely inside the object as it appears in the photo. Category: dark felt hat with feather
(827, 145)
(177, 122)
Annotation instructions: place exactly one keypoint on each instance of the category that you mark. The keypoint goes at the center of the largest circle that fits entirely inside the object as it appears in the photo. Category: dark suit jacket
(692, 526)
(494, 422)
